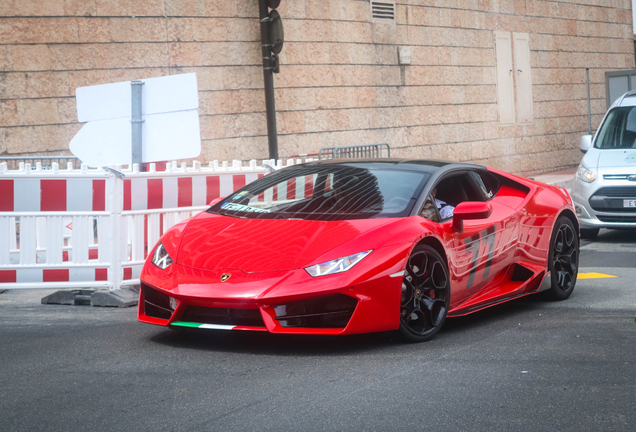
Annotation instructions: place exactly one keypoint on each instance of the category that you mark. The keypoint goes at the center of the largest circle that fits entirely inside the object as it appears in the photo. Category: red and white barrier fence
(94, 227)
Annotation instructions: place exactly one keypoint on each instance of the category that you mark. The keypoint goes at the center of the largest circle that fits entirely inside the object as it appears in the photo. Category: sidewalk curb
(563, 183)
(563, 178)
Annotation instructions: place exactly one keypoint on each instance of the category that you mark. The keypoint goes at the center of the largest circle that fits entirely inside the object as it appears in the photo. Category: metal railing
(46, 162)
(354, 152)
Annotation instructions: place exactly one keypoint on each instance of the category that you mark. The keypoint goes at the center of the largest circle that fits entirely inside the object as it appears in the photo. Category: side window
(629, 136)
(451, 191)
(455, 189)
(488, 184)
(429, 210)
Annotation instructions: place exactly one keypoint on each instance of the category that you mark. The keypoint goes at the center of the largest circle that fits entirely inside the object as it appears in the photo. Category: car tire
(563, 259)
(425, 295)
(589, 233)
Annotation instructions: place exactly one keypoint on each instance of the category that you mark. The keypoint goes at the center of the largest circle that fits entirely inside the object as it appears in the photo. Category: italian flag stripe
(203, 326)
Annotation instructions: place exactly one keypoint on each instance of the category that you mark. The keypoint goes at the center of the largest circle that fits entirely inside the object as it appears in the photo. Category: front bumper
(599, 204)
(289, 302)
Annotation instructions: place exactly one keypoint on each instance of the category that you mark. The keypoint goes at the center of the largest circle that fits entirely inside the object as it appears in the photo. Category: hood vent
(383, 10)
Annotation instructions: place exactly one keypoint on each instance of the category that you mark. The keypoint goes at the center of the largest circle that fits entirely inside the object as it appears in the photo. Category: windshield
(618, 130)
(326, 192)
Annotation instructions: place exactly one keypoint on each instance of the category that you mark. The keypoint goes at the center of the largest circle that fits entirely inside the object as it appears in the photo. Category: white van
(604, 190)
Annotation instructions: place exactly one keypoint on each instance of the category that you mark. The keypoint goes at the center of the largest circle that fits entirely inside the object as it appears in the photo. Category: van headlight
(161, 258)
(584, 174)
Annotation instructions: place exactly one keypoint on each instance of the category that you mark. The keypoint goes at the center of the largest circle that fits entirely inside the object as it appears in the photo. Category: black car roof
(425, 165)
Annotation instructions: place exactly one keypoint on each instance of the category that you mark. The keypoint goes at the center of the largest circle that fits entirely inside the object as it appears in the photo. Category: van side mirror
(470, 210)
(586, 143)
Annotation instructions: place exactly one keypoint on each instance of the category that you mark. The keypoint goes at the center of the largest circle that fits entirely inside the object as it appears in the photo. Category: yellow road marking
(594, 276)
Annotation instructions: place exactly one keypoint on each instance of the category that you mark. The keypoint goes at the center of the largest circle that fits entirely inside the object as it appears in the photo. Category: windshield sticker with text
(243, 208)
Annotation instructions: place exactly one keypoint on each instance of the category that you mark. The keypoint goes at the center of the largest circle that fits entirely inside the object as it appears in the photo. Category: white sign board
(170, 129)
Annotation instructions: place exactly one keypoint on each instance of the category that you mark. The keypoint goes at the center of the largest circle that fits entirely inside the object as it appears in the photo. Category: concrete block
(211, 127)
(152, 29)
(291, 122)
(124, 29)
(70, 297)
(185, 7)
(215, 8)
(37, 111)
(123, 297)
(8, 113)
(79, 8)
(150, 55)
(6, 58)
(31, 57)
(43, 85)
(73, 56)
(184, 54)
(181, 30)
(233, 29)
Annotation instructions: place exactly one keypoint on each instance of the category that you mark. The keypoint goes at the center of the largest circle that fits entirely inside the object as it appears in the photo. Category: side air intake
(332, 311)
(156, 303)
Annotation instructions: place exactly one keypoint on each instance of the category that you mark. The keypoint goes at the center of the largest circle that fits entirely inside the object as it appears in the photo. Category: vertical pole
(115, 199)
(136, 121)
(268, 78)
(589, 105)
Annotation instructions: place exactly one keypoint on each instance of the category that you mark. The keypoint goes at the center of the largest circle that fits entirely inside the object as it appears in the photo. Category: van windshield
(618, 130)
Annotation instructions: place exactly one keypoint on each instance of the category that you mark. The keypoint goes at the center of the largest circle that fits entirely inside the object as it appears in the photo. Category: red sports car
(355, 246)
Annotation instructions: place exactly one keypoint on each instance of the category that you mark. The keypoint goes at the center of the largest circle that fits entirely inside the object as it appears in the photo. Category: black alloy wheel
(563, 259)
(425, 295)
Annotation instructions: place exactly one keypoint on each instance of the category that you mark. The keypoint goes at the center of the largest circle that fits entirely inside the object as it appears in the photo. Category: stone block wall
(340, 81)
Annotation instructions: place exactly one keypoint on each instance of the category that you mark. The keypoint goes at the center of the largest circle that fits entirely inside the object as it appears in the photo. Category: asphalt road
(528, 365)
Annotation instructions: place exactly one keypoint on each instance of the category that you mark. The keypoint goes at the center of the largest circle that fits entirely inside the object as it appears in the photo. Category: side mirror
(215, 200)
(470, 210)
(586, 143)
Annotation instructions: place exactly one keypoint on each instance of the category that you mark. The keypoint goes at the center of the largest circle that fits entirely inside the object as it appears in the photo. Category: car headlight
(161, 258)
(336, 266)
(584, 174)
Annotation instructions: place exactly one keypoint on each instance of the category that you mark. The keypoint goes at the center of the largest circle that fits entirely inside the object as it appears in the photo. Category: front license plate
(629, 203)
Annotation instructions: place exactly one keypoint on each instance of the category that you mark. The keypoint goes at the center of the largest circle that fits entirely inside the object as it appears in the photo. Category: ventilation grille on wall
(383, 10)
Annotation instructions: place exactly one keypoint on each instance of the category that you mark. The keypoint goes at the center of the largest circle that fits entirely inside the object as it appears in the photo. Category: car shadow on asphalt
(266, 343)
(612, 236)
(494, 314)
(455, 330)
